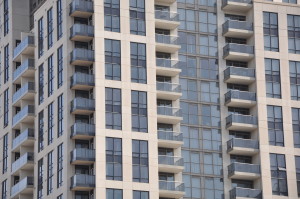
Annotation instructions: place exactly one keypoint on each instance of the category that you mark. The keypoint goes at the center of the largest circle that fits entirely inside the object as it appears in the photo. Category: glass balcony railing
(242, 143)
(82, 104)
(81, 6)
(83, 154)
(166, 15)
(26, 111)
(27, 41)
(82, 79)
(240, 95)
(29, 87)
(83, 129)
(225, 2)
(26, 65)
(171, 186)
(170, 160)
(168, 87)
(82, 30)
(81, 54)
(83, 180)
(23, 184)
(243, 167)
(238, 192)
(25, 135)
(235, 24)
(167, 63)
(169, 111)
(237, 48)
(23, 160)
(166, 39)
(239, 71)
(244, 119)
(169, 135)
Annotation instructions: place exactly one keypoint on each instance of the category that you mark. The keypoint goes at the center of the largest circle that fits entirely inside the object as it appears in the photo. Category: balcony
(242, 193)
(239, 146)
(168, 67)
(237, 29)
(26, 138)
(171, 189)
(81, 8)
(165, 1)
(81, 32)
(238, 122)
(26, 69)
(238, 52)
(82, 81)
(169, 139)
(26, 115)
(237, 5)
(83, 156)
(239, 75)
(26, 92)
(26, 47)
(166, 43)
(82, 57)
(243, 171)
(168, 115)
(82, 106)
(168, 91)
(82, 182)
(24, 186)
(166, 20)
(170, 164)
(243, 99)
(82, 131)
(25, 162)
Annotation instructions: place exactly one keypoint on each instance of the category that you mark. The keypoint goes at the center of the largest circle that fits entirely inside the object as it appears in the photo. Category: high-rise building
(150, 99)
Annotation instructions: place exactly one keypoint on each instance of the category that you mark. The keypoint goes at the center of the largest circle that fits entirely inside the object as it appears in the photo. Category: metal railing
(82, 6)
(82, 104)
(25, 135)
(82, 79)
(169, 87)
(82, 180)
(166, 15)
(82, 30)
(167, 63)
(166, 39)
(238, 48)
(21, 185)
(169, 135)
(29, 40)
(82, 54)
(239, 71)
(242, 143)
(83, 129)
(245, 193)
(26, 65)
(29, 109)
(28, 87)
(83, 154)
(239, 118)
(170, 160)
(241, 95)
(171, 186)
(243, 167)
(235, 24)
(24, 159)
(169, 111)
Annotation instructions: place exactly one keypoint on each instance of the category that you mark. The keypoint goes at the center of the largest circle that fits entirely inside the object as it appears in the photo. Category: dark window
(114, 194)
(138, 63)
(50, 123)
(6, 63)
(113, 159)
(60, 66)
(294, 34)
(140, 195)
(60, 196)
(296, 126)
(139, 111)
(50, 27)
(137, 17)
(295, 80)
(41, 132)
(278, 175)
(140, 164)
(50, 76)
(41, 37)
(112, 59)
(290, 1)
(273, 82)
(40, 179)
(59, 19)
(60, 165)
(297, 161)
(50, 173)
(271, 31)
(41, 83)
(113, 108)
(5, 153)
(60, 116)
(4, 189)
(275, 126)
(112, 15)
(6, 17)
(6, 108)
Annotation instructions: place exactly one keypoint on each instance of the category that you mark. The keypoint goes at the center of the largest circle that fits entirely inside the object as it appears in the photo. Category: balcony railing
(29, 40)
(240, 95)
(244, 119)
(170, 160)
(169, 111)
(24, 159)
(242, 143)
(166, 39)
(235, 24)
(83, 154)
(82, 79)
(26, 182)
(243, 167)
(225, 2)
(82, 180)
(171, 186)
(238, 192)
(29, 87)
(169, 135)
(27, 110)
(167, 63)
(82, 30)
(166, 15)
(81, 54)
(239, 71)
(237, 48)
(168, 87)
(26, 65)
(25, 135)
(81, 6)
(82, 129)
(82, 104)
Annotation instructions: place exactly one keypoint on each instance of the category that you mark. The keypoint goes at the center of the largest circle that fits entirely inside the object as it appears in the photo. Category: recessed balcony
(171, 189)
(166, 43)
(238, 122)
(237, 29)
(81, 8)
(81, 32)
(169, 139)
(25, 162)
(242, 193)
(168, 91)
(239, 146)
(238, 52)
(83, 156)
(26, 138)
(83, 131)
(239, 75)
(169, 67)
(24, 186)
(26, 115)
(243, 99)
(168, 115)
(237, 5)
(26, 47)
(165, 1)
(82, 81)
(170, 164)
(166, 20)
(243, 171)
(82, 106)
(82, 182)
(82, 57)
(26, 69)
(26, 92)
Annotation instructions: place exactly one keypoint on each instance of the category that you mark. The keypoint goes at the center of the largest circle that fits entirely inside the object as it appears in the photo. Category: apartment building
(148, 99)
